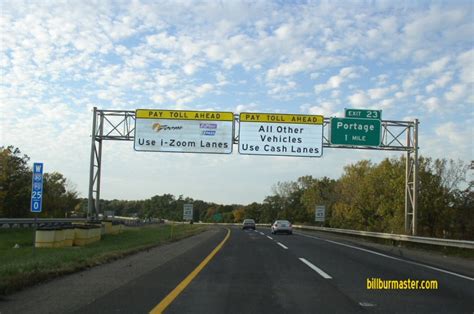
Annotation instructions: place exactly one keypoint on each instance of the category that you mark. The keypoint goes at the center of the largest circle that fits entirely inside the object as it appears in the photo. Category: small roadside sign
(320, 213)
(37, 188)
(188, 212)
(217, 217)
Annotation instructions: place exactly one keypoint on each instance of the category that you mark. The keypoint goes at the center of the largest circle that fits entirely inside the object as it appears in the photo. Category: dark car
(248, 224)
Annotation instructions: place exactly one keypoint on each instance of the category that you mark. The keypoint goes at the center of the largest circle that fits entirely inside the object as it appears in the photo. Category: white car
(280, 226)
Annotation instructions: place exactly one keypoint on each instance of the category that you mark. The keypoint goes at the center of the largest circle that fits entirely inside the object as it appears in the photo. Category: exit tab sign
(355, 132)
(364, 114)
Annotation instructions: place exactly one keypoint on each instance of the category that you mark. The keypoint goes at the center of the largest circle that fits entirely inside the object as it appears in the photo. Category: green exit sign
(356, 132)
(364, 114)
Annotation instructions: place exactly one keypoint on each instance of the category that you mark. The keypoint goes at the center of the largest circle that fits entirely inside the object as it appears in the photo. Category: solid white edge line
(316, 269)
(391, 257)
(282, 245)
(270, 237)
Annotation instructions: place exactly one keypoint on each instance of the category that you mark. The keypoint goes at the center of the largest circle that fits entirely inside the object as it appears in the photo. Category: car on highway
(248, 224)
(282, 226)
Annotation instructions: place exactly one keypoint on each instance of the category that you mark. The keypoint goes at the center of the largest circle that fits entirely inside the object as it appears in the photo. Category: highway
(257, 272)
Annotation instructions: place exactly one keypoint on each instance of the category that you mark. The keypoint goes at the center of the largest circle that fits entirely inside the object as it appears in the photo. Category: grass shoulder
(21, 267)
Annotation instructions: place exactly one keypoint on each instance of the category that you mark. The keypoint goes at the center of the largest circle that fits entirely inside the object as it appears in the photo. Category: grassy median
(22, 267)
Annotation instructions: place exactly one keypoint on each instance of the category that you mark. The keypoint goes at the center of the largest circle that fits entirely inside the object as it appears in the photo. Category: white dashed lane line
(391, 257)
(270, 238)
(286, 248)
(316, 269)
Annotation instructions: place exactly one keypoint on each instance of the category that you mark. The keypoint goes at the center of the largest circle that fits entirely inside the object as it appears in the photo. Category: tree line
(367, 196)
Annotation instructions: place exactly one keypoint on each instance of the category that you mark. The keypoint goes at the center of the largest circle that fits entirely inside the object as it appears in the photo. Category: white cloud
(432, 104)
(282, 88)
(424, 29)
(204, 88)
(440, 82)
(246, 108)
(190, 69)
(432, 68)
(386, 103)
(436, 72)
(359, 99)
(283, 32)
(286, 69)
(335, 81)
(465, 63)
(166, 79)
(221, 79)
(400, 95)
(162, 41)
(325, 108)
(382, 79)
(456, 93)
(451, 131)
(136, 61)
(378, 93)
(158, 99)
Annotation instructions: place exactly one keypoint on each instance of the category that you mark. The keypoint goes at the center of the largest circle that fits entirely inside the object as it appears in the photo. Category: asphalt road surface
(256, 272)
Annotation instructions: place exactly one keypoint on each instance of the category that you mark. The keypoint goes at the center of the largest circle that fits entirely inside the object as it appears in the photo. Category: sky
(59, 59)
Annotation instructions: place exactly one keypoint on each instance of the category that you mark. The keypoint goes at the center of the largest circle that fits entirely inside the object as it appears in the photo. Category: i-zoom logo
(158, 127)
(209, 128)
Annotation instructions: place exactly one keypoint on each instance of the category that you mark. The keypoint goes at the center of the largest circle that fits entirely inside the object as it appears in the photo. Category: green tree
(318, 192)
(272, 206)
(462, 222)
(386, 187)
(354, 197)
(253, 211)
(59, 196)
(439, 196)
(15, 183)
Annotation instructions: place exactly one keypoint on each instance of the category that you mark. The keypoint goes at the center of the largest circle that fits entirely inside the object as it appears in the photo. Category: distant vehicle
(248, 224)
(282, 226)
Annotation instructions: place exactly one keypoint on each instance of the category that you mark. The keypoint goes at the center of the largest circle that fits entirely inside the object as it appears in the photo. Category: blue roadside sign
(37, 188)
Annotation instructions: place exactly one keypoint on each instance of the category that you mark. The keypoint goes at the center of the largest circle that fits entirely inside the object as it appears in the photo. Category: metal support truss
(411, 179)
(119, 125)
(114, 125)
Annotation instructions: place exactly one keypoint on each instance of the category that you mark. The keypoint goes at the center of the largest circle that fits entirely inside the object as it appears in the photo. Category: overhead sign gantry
(156, 130)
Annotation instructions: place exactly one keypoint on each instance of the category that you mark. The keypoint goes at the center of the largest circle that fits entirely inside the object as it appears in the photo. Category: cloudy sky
(411, 59)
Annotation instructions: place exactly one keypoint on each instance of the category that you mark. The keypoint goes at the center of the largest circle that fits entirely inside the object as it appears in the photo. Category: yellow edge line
(183, 284)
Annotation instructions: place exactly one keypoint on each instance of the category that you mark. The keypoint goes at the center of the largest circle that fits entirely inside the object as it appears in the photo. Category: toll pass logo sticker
(209, 128)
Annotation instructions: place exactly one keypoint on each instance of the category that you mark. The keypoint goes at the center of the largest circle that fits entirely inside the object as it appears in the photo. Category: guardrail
(465, 244)
(396, 237)
(29, 222)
